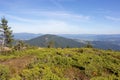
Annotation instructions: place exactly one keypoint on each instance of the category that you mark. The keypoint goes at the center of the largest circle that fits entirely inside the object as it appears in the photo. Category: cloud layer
(112, 18)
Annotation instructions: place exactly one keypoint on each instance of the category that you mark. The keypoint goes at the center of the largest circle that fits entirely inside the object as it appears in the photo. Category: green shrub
(30, 74)
(59, 60)
(16, 77)
(4, 73)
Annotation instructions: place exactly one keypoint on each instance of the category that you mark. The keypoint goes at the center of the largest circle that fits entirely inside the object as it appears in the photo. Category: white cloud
(41, 15)
(16, 18)
(112, 18)
(46, 22)
(47, 26)
(64, 15)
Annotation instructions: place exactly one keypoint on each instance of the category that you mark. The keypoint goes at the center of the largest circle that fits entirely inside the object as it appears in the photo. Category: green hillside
(60, 64)
(57, 41)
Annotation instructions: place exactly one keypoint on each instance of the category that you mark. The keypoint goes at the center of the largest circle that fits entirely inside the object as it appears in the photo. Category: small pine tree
(67, 46)
(89, 45)
(50, 44)
(6, 33)
(20, 45)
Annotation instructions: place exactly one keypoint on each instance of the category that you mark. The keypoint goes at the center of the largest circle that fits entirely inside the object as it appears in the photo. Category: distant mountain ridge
(105, 45)
(93, 37)
(88, 37)
(58, 41)
(98, 41)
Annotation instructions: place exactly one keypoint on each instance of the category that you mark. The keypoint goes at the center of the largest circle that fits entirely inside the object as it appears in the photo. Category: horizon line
(67, 33)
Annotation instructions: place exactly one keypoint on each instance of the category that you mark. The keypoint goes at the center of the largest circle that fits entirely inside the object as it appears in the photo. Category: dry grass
(75, 74)
(16, 65)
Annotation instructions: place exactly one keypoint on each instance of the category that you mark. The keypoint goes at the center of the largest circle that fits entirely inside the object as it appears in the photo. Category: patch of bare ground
(75, 74)
(16, 65)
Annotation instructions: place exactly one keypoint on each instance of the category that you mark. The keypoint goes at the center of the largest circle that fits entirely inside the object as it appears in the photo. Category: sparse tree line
(7, 41)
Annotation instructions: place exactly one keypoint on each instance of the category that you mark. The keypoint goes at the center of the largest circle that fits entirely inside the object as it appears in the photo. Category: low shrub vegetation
(60, 64)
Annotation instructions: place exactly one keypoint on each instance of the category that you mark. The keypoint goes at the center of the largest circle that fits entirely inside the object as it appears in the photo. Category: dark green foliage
(58, 41)
(51, 44)
(67, 46)
(20, 45)
(89, 45)
(6, 33)
(4, 73)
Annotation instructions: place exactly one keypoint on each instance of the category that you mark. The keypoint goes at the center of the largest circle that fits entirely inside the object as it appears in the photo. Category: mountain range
(86, 37)
(72, 40)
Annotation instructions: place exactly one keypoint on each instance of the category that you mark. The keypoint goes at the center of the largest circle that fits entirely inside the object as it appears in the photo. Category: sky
(62, 16)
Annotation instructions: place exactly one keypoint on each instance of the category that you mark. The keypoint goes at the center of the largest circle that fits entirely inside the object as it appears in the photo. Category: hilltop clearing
(60, 64)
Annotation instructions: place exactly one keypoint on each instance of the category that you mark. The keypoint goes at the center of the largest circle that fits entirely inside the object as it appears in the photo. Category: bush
(30, 74)
(4, 73)
(59, 60)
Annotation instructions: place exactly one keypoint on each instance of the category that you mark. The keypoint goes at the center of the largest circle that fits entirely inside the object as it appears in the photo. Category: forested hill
(53, 40)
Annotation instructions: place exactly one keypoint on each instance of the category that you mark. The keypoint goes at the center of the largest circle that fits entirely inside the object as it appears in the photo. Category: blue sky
(62, 16)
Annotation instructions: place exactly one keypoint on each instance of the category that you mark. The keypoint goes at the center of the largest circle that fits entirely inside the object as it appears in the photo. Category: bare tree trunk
(2, 44)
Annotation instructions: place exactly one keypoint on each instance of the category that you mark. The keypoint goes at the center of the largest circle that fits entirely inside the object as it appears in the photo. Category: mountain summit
(57, 41)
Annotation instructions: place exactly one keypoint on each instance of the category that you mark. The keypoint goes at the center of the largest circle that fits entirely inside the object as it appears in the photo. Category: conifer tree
(51, 44)
(6, 33)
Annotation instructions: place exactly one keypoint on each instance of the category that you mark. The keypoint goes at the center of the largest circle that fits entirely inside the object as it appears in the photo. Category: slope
(57, 41)
(60, 64)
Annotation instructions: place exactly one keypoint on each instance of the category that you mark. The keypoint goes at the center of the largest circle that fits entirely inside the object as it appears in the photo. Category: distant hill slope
(105, 45)
(58, 41)
(114, 45)
(93, 37)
